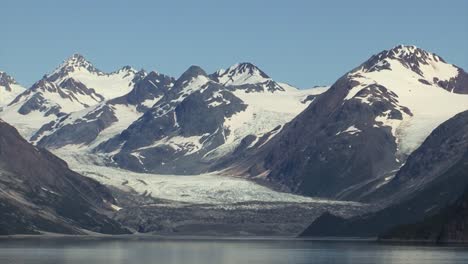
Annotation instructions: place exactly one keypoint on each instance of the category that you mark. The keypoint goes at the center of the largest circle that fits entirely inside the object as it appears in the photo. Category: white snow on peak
(9, 89)
(109, 85)
(429, 104)
(241, 73)
(265, 111)
(193, 85)
(51, 98)
(427, 65)
(405, 50)
(56, 95)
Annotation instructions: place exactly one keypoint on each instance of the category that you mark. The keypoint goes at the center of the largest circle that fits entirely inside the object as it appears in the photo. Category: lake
(231, 251)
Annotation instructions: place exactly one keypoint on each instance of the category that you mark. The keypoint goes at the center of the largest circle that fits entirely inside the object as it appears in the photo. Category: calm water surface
(134, 251)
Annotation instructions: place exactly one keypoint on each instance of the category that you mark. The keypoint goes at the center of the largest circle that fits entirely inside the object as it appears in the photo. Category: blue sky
(304, 43)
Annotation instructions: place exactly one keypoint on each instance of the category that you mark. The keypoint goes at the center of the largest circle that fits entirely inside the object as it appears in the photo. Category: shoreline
(182, 237)
(149, 237)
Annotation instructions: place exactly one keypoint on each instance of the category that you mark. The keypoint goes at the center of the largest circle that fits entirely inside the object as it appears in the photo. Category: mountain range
(390, 132)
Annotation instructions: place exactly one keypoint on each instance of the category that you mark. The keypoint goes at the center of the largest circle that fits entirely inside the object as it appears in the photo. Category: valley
(237, 153)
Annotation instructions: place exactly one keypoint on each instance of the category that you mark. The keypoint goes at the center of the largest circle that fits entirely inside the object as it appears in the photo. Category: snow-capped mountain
(9, 89)
(241, 120)
(204, 118)
(362, 129)
(359, 139)
(246, 76)
(73, 86)
(198, 118)
(431, 68)
(107, 85)
(89, 127)
(414, 76)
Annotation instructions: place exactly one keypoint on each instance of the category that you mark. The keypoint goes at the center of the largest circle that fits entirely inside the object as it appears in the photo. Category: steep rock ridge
(432, 69)
(108, 85)
(199, 120)
(446, 146)
(9, 89)
(188, 118)
(44, 102)
(39, 193)
(246, 76)
(433, 177)
(73, 86)
(87, 128)
(363, 128)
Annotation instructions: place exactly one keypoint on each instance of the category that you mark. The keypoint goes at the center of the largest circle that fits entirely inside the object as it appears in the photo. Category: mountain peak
(9, 88)
(6, 80)
(126, 69)
(409, 56)
(409, 51)
(196, 69)
(76, 62)
(77, 56)
(192, 72)
(239, 74)
(249, 68)
(405, 48)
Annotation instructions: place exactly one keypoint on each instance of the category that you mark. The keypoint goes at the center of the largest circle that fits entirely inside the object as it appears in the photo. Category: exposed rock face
(423, 63)
(203, 119)
(9, 89)
(446, 147)
(74, 86)
(67, 130)
(198, 118)
(457, 84)
(84, 127)
(36, 98)
(6, 80)
(246, 76)
(39, 193)
(341, 143)
(355, 136)
(434, 175)
(75, 63)
(168, 138)
(147, 91)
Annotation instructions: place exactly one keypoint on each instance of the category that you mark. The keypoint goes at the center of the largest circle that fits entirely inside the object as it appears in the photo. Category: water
(180, 251)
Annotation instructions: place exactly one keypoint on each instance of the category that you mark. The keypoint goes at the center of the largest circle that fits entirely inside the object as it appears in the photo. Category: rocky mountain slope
(73, 86)
(89, 127)
(449, 225)
(153, 122)
(354, 137)
(9, 89)
(434, 176)
(378, 135)
(39, 193)
(204, 118)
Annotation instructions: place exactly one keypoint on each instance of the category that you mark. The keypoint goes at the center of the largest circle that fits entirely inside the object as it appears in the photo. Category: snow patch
(350, 130)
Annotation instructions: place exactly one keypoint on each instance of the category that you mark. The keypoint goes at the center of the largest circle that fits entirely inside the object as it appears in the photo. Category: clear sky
(304, 43)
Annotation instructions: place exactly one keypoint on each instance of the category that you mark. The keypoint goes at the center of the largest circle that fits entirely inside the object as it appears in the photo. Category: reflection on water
(92, 251)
